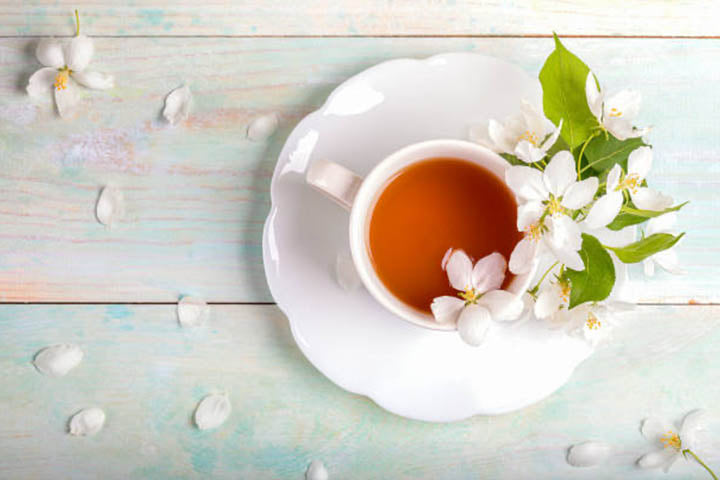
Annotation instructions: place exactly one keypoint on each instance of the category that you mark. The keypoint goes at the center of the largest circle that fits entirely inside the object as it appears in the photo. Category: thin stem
(582, 151)
(537, 285)
(697, 459)
(77, 22)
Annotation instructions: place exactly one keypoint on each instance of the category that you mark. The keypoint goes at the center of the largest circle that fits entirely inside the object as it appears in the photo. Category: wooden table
(197, 197)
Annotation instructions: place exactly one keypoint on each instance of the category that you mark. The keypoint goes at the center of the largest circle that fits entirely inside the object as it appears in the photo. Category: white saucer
(411, 371)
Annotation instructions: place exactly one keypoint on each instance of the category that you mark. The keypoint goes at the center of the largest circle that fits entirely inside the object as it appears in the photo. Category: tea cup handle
(335, 181)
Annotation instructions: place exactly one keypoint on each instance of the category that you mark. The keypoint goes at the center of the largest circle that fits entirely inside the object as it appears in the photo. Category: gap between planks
(459, 35)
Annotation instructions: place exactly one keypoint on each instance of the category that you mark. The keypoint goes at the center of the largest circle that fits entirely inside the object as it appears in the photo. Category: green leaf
(633, 216)
(563, 82)
(595, 282)
(642, 249)
(602, 153)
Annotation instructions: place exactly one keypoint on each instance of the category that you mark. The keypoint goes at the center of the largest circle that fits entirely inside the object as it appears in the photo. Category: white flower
(551, 197)
(667, 259)
(593, 322)
(553, 298)
(528, 135)
(672, 442)
(615, 113)
(606, 208)
(480, 301)
(62, 67)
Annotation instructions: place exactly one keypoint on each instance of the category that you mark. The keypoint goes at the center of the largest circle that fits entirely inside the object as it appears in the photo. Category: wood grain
(364, 17)
(197, 193)
(148, 374)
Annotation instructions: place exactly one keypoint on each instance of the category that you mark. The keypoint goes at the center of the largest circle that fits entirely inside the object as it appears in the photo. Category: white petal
(523, 256)
(459, 270)
(41, 83)
(604, 210)
(527, 152)
(501, 137)
(588, 454)
(654, 428)
(473, 324)
(658, 459)
(528, 214)
(693, 421)
(489, 272)
(503, 305)
(664, 223)
(212, 411)
(345, 272)
(648, 199)
(110, 206)
(192, 311)
(79, 53)
(316, 471)
(594, 96)
(563, 233)
(569, 257)
(580, 194)
(626, 103)
(613, 178)
(94, 80)
(535, 121)
(58, 360)
(560, 173)
(177, 105)
(668, 261)
(262, 127)
(640, 162)
(550, 141)
(548, 302)
(50, 53)
(66, 99)
(87, 422)
(621, 128)
(446, 309)
(526, 182)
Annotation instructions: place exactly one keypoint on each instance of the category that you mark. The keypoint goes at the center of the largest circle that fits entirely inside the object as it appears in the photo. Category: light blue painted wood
(197, 193)
(148, 374)
(363, 17)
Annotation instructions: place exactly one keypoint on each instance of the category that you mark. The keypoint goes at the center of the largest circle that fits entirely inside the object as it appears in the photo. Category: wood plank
(197, 194)
(363, 17)
(148, 374)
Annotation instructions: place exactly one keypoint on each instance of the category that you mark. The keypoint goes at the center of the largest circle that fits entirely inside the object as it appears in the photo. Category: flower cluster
(580, 168)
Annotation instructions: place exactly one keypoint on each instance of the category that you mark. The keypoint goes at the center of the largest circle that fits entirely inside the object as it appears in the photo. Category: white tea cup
(358, 195)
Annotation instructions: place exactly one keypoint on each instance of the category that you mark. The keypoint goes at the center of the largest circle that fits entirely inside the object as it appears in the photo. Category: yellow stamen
(593, 323)
(631, 182)
(671, 440)
(614, 112)
(554, 207)
(534, 231)
(564, 291)
(61, 79)
(469, 295)
(529, 137)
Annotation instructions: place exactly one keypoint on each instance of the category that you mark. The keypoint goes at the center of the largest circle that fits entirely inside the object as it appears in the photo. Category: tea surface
(427, 209)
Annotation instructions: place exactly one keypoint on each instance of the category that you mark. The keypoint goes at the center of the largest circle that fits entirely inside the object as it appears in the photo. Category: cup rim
(364, 201)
